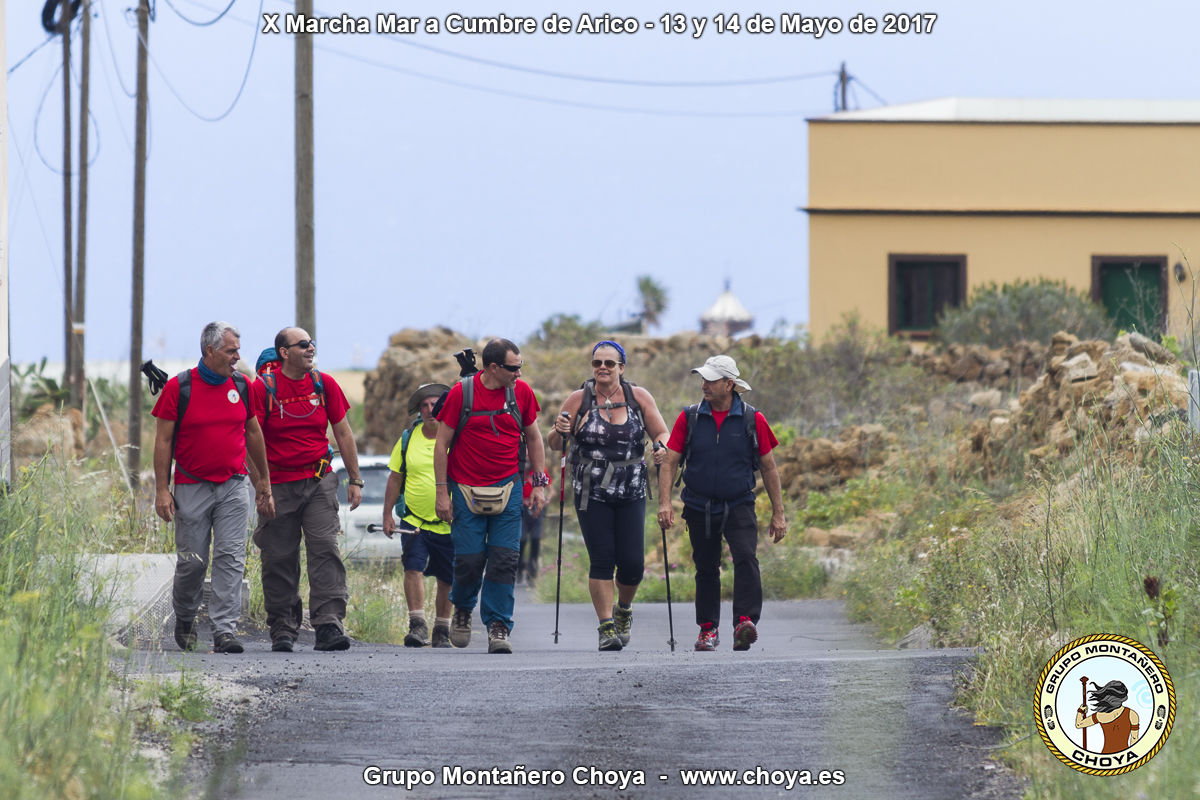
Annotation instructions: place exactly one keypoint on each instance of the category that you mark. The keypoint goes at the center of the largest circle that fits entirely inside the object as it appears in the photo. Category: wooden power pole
(139, 249)
(64, 29)
(78, 394)
(306, 315)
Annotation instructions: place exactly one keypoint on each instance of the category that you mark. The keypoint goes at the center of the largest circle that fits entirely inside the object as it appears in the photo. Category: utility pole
(306, 315)
(139, 250)
(64, 29)
(78, 395)
(843, 82)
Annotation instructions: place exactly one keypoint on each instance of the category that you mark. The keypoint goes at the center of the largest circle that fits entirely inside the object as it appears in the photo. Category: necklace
(608, 398)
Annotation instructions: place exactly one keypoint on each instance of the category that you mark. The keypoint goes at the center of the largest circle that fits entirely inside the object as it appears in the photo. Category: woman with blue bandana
(608, 420)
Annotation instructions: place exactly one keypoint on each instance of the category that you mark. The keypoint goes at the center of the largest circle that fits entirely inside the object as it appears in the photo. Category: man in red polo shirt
(209, 441)
(485, 454)
(295, 419)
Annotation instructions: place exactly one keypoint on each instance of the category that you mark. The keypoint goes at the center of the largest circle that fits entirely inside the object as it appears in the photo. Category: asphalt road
(814, 694)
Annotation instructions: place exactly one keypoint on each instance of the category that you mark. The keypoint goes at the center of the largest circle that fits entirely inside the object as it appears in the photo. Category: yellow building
(913, 206)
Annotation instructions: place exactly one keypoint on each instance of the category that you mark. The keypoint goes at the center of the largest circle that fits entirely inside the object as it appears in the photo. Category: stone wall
(1125, 389)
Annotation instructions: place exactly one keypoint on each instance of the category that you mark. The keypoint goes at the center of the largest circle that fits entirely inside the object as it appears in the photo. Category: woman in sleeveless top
(609, 477)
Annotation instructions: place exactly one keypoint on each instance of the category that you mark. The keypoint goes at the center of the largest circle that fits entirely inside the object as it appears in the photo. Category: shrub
(1034, 311)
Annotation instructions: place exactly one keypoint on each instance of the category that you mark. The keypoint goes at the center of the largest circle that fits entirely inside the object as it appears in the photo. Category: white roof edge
(976, 109)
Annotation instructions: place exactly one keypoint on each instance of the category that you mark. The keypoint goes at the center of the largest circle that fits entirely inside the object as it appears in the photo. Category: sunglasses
(303, 343)
(608, 362)
(511, 367)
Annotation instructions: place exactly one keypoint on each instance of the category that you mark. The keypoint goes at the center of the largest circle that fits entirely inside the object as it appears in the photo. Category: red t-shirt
(297, 432)
(479, 457)
(210, 443)
(766, 437)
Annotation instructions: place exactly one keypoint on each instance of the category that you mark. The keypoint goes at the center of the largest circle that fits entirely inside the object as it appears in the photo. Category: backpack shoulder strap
(468, 402)
(751, 422)
(185, 394)
(243, 390)
(318, 384)
(586, 404)
(693, 414)
(631, 402)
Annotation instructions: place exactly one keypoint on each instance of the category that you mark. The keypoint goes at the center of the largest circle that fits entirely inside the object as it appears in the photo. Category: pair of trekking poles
(562, 498)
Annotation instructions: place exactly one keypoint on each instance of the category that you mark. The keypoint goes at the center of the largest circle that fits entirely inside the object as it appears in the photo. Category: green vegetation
(999, 315)
(68, 730)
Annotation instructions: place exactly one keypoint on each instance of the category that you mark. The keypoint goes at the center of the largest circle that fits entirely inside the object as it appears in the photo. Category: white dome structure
(727, 316)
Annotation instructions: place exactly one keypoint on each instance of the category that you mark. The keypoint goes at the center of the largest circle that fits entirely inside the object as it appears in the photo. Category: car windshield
(375, 480)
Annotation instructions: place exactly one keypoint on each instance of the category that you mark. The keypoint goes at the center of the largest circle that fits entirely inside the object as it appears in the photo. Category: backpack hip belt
(586, 464)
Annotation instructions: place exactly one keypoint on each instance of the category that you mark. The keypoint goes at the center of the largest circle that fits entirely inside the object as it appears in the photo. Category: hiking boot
(623, 619)
(330, 637)
(441, 636)
(498, 638)
(227, 643)
(745, 634)
(418, 633)
(283, 644)
(609, 639)
(460, 627)
(708, 639)
(185, 633)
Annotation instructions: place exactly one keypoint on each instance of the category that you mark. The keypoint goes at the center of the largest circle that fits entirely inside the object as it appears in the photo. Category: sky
(486, 182)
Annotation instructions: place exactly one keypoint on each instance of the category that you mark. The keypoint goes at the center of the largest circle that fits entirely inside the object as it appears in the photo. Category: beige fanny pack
(487, 500)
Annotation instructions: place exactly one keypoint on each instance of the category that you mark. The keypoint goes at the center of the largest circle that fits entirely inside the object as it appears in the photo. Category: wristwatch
(539, 479)
(359, 482)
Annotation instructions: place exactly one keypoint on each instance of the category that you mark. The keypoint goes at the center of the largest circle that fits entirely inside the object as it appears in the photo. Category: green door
(1131, 292)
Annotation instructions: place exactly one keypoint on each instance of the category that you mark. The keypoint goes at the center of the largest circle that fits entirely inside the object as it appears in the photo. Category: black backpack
(510, 407)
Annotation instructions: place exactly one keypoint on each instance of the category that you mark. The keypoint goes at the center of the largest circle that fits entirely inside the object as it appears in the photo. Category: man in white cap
(425, 539)
(722, 441)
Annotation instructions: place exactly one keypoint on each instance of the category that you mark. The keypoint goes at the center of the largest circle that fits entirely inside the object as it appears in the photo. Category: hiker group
(465, 479)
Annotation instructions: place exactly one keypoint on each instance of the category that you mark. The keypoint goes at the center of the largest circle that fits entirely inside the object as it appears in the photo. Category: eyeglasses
(511, 367)
(608, 362)
(303, 343)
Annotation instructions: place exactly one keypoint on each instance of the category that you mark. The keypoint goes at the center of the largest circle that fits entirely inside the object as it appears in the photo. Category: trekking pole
(667, 571)
(562, 497)
(1083, 688)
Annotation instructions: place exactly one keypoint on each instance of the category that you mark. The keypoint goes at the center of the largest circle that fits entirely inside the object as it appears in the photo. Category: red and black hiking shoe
(745, 634)
(708, 639)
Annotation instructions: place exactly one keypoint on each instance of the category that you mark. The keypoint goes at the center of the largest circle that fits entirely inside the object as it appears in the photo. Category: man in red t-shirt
(210, 506)
(718, 497)
(485, 454)
(295, 419)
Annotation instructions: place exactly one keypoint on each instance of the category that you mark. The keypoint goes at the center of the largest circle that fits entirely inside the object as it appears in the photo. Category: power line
(112, 52)
(601, 79)
(191, 21)
(867, 89)
(29, 55)
(241, 88)
(557, 101)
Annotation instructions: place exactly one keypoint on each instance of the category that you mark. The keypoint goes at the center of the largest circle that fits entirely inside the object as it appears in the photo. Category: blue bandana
(210, 377)
(613, 345)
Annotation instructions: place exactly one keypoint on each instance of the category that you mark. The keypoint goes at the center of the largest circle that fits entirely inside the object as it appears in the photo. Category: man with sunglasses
(477, 453)
(295, 418)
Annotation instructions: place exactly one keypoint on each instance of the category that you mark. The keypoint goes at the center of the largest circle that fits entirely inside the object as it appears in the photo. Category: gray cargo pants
(212, 515)
(305, 509)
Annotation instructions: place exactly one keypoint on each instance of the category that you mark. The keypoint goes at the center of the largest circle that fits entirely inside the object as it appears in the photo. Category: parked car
(360, 545)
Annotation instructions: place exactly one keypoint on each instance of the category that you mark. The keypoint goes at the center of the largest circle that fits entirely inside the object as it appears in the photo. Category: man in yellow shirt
(428, 548)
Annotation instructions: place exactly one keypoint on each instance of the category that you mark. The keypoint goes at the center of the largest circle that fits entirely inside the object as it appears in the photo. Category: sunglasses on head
(511, 367)
(303, 343)
(607, 362)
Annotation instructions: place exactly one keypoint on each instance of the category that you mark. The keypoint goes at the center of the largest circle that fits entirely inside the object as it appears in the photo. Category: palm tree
(654, 300)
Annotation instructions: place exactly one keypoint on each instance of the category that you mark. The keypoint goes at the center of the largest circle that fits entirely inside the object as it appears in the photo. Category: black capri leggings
(615, 537)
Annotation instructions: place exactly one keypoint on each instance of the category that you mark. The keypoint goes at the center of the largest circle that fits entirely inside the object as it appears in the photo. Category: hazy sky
(485, 182)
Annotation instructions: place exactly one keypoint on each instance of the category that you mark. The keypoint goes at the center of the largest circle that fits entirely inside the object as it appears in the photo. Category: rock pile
(1002, 368)
(1126, 389)
(819, 464)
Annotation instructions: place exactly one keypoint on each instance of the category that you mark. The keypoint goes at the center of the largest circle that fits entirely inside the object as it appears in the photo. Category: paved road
(814, 694)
